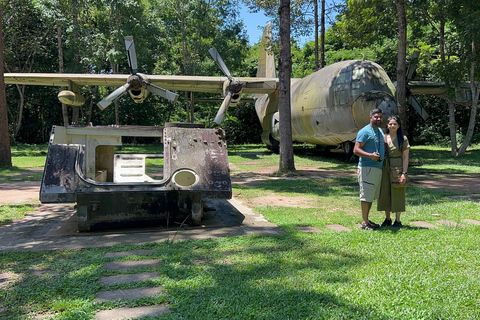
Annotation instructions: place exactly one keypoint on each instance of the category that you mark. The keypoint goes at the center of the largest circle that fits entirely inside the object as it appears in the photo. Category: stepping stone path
(130, 294)
(137, 293)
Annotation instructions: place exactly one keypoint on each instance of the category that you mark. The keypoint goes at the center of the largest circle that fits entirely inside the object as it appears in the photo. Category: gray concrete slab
(53, 227)
(472, 221)
(450, 223)
(308, 229)
(423, 224)
(129, 278)
(129, 294)
(130, 264)
(121, 254)
(338, 227)
(131, 313)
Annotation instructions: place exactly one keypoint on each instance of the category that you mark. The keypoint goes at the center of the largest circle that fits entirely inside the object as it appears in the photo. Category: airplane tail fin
(266, 59)
(266, 104)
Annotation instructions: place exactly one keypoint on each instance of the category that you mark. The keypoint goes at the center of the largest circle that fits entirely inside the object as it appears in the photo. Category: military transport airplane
(328, 106)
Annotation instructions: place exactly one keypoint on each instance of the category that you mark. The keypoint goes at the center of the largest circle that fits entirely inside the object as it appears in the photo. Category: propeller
(413, 101)
(136, 82)
(234, 86)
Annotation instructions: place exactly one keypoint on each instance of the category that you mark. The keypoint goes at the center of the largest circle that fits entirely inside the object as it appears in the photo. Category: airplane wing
(427, 87)
(180, 83)
(463, 91)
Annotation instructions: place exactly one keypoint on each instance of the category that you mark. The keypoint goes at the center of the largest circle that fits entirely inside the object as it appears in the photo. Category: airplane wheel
(347, 147)
(275, 147)
(197, 212)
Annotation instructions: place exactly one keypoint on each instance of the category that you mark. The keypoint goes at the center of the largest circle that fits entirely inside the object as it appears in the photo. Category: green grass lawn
(408, 273)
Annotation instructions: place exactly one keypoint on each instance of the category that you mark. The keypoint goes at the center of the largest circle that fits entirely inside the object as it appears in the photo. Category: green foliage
(296, 275)
(242, 125)
(10, 213)
(170, 38)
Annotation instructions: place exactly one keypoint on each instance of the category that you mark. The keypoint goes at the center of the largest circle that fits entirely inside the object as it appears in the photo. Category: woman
(393, 199)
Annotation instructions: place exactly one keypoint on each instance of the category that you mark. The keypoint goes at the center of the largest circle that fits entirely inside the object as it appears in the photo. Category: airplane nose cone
(369, 101)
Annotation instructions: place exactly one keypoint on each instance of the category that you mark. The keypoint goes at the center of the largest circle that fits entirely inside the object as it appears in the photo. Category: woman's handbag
(395, 173)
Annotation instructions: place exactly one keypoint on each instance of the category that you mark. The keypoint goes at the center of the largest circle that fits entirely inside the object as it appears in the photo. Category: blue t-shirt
(373, 139)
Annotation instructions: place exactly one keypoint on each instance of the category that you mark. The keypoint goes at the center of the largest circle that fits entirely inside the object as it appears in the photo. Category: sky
(253, 20)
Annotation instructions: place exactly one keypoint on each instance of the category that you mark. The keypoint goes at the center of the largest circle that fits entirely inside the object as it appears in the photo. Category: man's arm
(358, 151)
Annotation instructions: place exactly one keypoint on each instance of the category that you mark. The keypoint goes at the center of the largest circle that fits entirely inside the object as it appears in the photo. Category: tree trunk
(401, 62)
(61, 68)
(450, 104)
(315, 5)
(322, 37)
(21, 104)
(76, 56)
(117, 114)
(473, 108)
(5, 152)
(287, 163)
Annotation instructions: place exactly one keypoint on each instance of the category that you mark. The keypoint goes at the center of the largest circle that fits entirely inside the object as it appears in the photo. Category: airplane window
(358, 73)
(355, 88)
(348, 76)
(343, 97)
(341, 78)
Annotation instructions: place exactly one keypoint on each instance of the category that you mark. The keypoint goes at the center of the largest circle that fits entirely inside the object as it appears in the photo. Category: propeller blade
(162, 92)
(218, 59)
(132, 56)
(223, 109)
(105, 102)
(413, 65)
(418, 107)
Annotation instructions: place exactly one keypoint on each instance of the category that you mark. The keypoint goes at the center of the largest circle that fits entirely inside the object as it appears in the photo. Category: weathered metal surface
(59, 179)
(195, 168)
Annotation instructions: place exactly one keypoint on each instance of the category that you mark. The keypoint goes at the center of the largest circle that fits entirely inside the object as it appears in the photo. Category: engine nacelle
(235, 97)
(138, 95)
(71, 98)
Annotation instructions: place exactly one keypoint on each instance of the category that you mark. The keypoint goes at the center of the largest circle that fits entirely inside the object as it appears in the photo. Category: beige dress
(392, 199)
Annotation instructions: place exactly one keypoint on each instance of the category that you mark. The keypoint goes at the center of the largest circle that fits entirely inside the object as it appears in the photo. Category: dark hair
(376, 110)
(399, 131)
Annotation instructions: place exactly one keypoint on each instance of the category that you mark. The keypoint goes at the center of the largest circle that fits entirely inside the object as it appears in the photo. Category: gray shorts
(369, 179)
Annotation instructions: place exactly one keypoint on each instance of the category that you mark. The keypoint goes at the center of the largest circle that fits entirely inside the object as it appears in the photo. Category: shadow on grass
(280, 277)
(10, 213)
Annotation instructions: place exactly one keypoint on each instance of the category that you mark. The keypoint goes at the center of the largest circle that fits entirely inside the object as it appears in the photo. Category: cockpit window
(344, 76)
(358, 73)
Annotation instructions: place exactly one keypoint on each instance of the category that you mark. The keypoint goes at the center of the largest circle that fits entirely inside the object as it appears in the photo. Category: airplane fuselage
(331, 105)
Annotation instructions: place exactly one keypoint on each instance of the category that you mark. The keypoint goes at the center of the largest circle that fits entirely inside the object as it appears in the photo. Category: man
(370, 148)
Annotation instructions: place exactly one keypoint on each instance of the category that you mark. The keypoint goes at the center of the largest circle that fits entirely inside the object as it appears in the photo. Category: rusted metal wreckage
(114, 188)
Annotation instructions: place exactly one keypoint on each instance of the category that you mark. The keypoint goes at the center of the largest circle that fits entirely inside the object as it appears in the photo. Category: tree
(402, 61)
(5, 153)
(287, 162)
(468, 21)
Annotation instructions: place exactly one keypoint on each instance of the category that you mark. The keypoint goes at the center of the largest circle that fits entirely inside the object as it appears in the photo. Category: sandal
(373, 225)
(366, 226)
(386, 223)
(397, 224)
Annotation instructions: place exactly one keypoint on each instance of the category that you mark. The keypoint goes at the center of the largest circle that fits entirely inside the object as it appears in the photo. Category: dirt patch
(19, 192)
(275, 200)
(6, 278)
(469, 184)
(28, 191)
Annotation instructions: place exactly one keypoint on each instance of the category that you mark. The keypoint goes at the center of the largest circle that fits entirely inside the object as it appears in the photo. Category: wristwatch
(404, 172)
